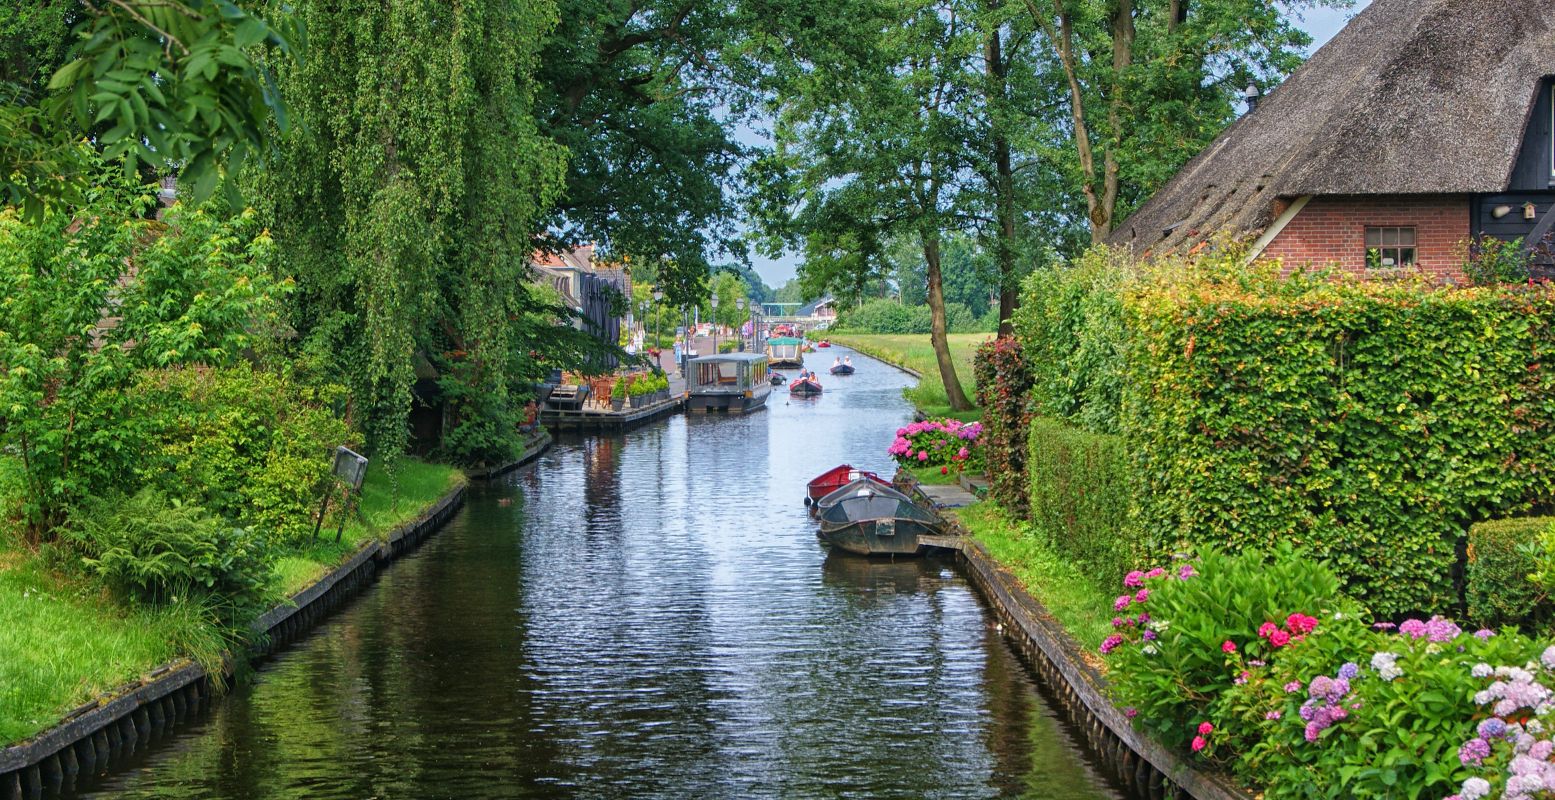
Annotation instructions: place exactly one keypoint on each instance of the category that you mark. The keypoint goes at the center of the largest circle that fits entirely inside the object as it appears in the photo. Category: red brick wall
(1332, 229)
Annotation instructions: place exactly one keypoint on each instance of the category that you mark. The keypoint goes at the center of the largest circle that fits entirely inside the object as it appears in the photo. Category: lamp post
(713, 301)
(739, 304)
(658, 324)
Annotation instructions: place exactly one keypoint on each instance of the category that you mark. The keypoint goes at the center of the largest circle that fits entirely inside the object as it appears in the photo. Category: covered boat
(783, 351)
(869, 519)
(731, 383)
(835, 478)
(842, 369)
(776, 378)
(805, 387)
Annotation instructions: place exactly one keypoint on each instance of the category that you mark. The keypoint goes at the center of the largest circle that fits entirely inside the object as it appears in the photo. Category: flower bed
(1258, 665)
(950, 444)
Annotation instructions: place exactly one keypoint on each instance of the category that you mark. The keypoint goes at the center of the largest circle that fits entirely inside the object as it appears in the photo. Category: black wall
(1533, 168)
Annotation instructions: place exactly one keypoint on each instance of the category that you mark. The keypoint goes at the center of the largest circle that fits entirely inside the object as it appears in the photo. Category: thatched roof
(1412, 97)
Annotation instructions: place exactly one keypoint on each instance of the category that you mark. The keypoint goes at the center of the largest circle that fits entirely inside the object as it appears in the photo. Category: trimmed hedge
(1367, 422)
(1003, 383)
(1081, 497)
(1497, 590)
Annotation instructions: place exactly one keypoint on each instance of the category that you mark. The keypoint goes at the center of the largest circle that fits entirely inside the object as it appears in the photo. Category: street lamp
(713, 301)
(739, 304)
(658, 324)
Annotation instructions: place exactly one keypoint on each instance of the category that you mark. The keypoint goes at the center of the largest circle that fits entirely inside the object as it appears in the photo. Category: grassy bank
(64, 640)
(916, 353)
(1074, 599)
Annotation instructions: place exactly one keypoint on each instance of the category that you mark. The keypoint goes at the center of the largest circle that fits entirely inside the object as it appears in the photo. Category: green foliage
(156, 549)
(1504, 579)
(889, 316)
(404, 204)
(1489, 261)
(1003, 384)
(199, 292)
(1081, 497)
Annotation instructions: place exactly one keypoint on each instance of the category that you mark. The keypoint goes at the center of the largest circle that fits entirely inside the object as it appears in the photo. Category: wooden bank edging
(533, 446)
(1142, 765)
(88, 740)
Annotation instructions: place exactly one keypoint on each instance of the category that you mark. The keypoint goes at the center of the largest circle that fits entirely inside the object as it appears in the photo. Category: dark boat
(777, 379)
(805, 387)
(869, 519)
(842, 369)
(835, 478)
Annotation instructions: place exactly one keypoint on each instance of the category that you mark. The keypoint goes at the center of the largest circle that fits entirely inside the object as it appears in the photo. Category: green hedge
(1367, 422)
(1081, 497)
(1497, 590)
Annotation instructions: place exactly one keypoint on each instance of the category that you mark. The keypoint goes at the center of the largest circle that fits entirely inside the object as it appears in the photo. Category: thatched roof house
(1420, 125)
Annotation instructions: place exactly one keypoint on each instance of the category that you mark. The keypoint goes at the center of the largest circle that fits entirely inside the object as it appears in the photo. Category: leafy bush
(889, 316)
(1003, 384)
(1081, 497)
(946, 443)
(1501, 557)
(156, 549)
(1489, 261)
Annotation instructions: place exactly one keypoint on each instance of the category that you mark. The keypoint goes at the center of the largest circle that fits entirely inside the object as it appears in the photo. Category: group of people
(837, 362)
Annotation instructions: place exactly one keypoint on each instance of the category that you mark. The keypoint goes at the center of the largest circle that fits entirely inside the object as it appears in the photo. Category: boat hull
(842, 369)
(876, 537)
(804, 388)
(785, 362)
(728, 402)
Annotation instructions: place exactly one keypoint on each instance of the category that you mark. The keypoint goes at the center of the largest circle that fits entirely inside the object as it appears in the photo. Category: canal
(647, 616)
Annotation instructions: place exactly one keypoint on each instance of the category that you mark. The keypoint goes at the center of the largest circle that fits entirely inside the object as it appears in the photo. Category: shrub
(890, 316)
(1489, 261)
(1501, 557)
(946, 443)
(156, 549)
(1081, 497)
(1003, 384)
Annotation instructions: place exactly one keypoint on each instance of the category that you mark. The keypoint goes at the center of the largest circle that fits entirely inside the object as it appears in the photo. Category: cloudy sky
(1322, 23)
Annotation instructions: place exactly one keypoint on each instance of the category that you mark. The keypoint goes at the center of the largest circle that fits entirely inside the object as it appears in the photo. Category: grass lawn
(1075, 599)
(912, 350)
(64, 640)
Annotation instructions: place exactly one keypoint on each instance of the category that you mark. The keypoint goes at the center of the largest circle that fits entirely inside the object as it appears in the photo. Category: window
(1390, 247)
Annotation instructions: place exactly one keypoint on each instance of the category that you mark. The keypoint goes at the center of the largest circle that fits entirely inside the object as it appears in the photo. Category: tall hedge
(1367, 422)
(1003, 384)
(1081, 498)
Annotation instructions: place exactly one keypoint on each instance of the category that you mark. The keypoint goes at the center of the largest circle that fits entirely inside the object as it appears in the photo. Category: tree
(405, 204)
(872, 148)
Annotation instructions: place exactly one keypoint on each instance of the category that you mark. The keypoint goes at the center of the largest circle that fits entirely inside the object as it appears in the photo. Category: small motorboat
(835, 478)
(823, 343)
(777, 379)
(805, 387)
(867, 518)
(842, 369)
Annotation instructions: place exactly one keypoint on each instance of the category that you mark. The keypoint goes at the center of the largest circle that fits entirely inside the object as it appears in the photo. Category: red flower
(1199, 743)
(1228, 646)
(1206, 729)
(1279, 639)
(1267, 629)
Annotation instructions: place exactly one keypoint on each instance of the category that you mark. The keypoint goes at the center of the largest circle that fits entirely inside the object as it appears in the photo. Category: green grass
(1076, 600)
(64, 640)
(916, 353)
(931, 476)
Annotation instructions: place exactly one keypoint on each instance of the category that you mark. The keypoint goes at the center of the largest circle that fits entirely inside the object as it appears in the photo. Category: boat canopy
(866, 499)
(728, 371)
(784, 340)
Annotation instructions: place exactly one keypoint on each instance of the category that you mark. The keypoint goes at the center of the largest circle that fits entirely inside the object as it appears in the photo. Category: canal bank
(101, 734)
(648, 615)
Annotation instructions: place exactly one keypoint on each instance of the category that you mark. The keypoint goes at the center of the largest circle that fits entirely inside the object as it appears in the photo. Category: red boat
(835, 478)
(824, 343)
(805, 387)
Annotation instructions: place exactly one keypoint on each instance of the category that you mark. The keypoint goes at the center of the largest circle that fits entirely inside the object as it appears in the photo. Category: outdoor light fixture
(1500, 211)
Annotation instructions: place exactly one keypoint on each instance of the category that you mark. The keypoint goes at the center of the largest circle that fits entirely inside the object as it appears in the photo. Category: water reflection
(651, 616)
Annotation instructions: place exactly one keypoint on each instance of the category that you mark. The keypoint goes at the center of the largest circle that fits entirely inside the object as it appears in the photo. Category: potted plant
(637, 391)
(618, 394)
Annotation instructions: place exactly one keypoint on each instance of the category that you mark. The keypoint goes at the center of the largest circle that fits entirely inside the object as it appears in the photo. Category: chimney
(1251, 95)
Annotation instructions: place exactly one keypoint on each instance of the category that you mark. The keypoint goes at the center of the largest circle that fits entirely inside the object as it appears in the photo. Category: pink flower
(1110, 643)
(1134, 579)
(1267, 629)
(1199, 743)
(1142, 595)
(923, 455)
(1279, 639)
(963, 453)
(1121, 603)
(1131, 712)
(1155, 573)
(1300, 623)
(1206, 729)
(1228, 646)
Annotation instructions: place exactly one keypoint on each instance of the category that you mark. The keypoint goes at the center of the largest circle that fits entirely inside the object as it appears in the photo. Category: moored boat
(730, 383)
(835, 478)
(869, 519)
(776, 379)
(805, 387)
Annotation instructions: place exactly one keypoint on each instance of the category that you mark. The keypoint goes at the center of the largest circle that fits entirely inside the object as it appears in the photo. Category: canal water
(647, 616)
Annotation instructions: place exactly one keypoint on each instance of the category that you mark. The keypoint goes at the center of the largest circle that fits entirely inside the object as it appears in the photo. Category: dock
(601, 417)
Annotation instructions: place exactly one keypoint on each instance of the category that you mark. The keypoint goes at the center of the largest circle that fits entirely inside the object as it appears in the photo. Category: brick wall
(1332, 229)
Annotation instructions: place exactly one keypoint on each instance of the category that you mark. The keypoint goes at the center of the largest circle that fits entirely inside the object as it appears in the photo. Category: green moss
(1075, 598)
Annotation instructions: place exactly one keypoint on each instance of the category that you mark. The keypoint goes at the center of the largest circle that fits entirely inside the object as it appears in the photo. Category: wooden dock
(610, 420)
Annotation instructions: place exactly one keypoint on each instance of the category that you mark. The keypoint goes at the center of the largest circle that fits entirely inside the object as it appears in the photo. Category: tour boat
(784, 351)
(869, 519)
(835, 478)
(842, 369)
(731, 383)
(805, 387)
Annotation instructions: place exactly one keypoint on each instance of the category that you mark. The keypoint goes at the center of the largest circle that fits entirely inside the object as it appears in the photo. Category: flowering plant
(938, 443)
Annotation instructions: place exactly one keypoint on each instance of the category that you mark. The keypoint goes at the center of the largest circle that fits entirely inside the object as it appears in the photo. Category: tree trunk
(947, 368)
(1004, 179)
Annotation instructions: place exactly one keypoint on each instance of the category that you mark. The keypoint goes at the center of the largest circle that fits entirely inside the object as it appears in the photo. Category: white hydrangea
(1149, 650)
(1535, 727)
(1474, 789)
(1548, 657)
(1482, 670)
(1386, 665)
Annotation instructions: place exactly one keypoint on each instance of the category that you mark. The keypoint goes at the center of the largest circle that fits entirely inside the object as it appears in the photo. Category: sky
(1321, 24)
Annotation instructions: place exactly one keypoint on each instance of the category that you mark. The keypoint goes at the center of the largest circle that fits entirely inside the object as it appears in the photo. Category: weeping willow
(405, 200)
